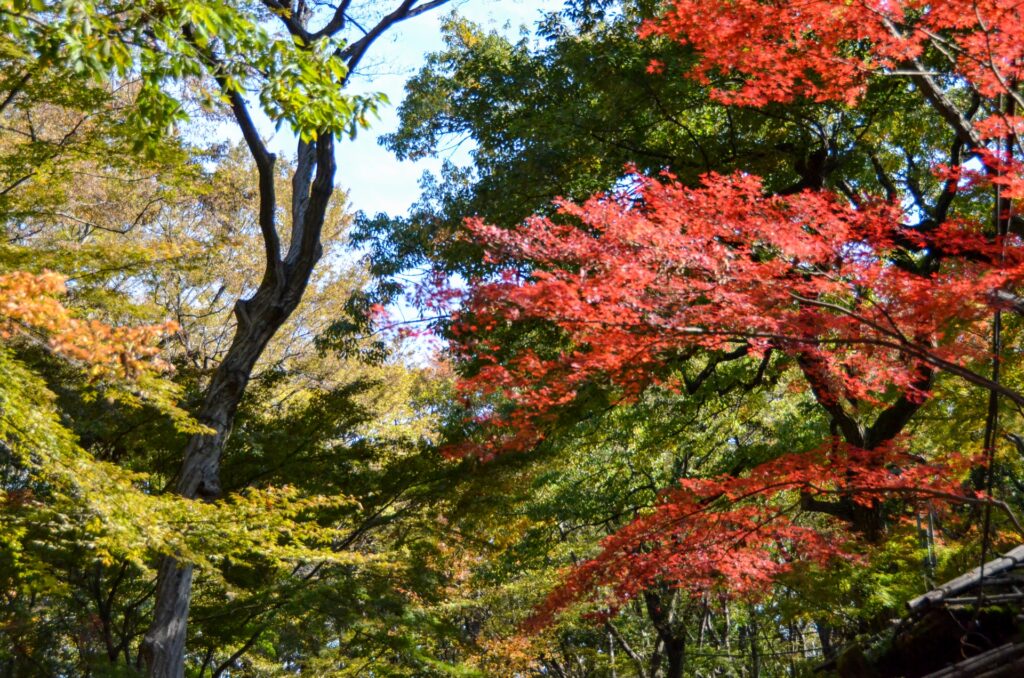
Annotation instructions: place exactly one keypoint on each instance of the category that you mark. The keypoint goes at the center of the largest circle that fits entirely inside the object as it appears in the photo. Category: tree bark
(163, 648)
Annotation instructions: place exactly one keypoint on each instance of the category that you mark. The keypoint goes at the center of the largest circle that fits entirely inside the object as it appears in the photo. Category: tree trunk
(163, 647)
(825, 637)
(285, 279)
(755, 649)
(675, 650)
(671, 637)
(259, 318)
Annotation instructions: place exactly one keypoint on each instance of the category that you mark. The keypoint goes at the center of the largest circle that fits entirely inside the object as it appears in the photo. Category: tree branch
(284, 13)
(627, 648)
(265, 168)
(354, 52)
(891, 420)
(336, 23)
(931, 91)
(304, 249)
(227, 663)
(15, 90)
(814, 371)
(305, 162)
(263, 158)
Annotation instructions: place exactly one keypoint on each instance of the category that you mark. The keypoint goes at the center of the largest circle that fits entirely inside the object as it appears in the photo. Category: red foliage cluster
(867, 305)
(735, 536)
(630, 280)
(825, 49)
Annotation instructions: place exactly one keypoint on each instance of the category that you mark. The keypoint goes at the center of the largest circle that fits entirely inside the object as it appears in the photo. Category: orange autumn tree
(869, 297)
(31, 309)
(48, 479)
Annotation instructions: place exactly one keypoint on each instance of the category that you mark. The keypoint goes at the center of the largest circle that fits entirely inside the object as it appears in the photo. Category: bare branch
(336, 23)
(268, 198)
(354, 53)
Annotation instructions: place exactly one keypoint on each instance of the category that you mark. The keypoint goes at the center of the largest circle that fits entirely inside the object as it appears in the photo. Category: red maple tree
(867, 302)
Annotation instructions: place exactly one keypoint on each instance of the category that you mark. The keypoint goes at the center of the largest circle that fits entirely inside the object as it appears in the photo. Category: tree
(150, 239)
(562, 115)
(532, 145)
(868, 297)
(299, 62)
(66, 511)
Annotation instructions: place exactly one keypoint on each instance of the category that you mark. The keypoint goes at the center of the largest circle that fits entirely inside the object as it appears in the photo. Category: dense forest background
(703, 360)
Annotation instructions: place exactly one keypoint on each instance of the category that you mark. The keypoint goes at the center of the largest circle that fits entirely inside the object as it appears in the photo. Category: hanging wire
(1002, 221)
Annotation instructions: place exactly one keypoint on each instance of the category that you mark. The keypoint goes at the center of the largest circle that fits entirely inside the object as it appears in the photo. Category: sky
(374, 179)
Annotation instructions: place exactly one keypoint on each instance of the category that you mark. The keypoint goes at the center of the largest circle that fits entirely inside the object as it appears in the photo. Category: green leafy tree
(297, 60)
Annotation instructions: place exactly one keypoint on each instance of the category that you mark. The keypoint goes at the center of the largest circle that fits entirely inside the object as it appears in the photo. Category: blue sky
(373, 178)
